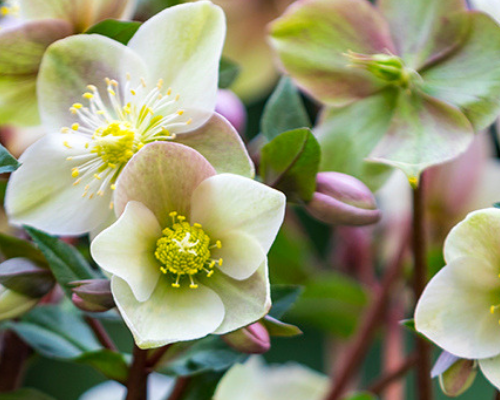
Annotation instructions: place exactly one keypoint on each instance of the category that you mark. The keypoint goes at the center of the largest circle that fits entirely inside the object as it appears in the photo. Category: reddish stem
(100, 333)
(138, 376)
(179, 388)
(12, 363)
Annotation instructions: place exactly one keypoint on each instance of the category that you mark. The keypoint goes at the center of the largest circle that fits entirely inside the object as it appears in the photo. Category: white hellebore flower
(161, 87)
(460, 307)
(254, 380)
(188, 254)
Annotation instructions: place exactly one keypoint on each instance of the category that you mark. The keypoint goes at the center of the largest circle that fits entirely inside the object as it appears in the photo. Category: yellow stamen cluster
(115, 144)
(184, 250)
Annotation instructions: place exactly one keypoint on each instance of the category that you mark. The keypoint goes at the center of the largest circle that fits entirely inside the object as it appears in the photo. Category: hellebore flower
(254, 380)
(159, 87)
(23, 43)
(188, 255)
(459, 308)
(405, 84)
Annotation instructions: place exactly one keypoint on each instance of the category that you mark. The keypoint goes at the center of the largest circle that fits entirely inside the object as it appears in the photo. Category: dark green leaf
(109, 363)
(25, 394)
(66, 263)
(284, 110)
(7, 162)
(497, 204)
(283, 298)
(121, 31)
(228, 72)
(408, 324)
(281, 329)
(361, 396)
(208, 354)
(12, 247)
(290, 163)
(202, 387)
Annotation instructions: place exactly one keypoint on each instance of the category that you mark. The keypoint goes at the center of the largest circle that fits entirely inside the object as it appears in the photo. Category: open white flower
(188, 255)
(254, 380)
(162, 86)
(460, 307)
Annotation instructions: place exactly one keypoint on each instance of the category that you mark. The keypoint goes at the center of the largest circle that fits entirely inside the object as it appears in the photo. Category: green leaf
(25, 394)
(408, 324)
(13, 247)
(331, 302)
(284, 110)
(201, 387)
(56, 333)
(196, 357)
(361, 396)
(7, 162)
(121, 31)
(283, 298)
(109, 363)
(290, 163)
(66, 263)
(228, 72)
(281, 329)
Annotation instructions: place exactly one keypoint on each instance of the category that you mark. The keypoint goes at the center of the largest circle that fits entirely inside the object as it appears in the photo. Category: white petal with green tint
(221, 145)
(13, 304)
(75, 62)
(424, 30)
(478, 235)
(245, 301)
(470, 78)
(41, 193)
(455, 309)
(163, 177)
(182, 45)
(126, 249)
(424, 132)
(225, 203)
(22, 49)
(170, 314)
(312, 37)
(490, 367)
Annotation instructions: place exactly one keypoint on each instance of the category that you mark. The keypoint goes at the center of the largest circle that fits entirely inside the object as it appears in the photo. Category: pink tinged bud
(26, 277)
(342, 200)
(253, 339)
(458, 378)
(93, 295)
(231, 107)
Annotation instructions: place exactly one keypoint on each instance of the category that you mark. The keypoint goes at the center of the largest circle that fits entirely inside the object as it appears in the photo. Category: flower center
(118, 128)
(386, 67)
(184, 250)
(9, 7)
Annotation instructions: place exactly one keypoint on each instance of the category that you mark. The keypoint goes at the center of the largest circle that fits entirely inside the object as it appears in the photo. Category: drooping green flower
(459, 309)
(254, 380)
(405, 83)
(33, 26)
(102, 102)
(188, 255)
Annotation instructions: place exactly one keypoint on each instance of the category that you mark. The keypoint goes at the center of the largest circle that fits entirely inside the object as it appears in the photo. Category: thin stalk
(422, 347)
(362, 341)
(496, 396)
(100, 333)
(157, 356)
(138, 376)
(380, 385)
(179, 388)
(14, 354)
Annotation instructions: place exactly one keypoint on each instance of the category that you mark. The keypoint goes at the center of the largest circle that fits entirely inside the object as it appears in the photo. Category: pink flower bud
(231, 107)
(342, 200)
(253, 339)
(93, 295)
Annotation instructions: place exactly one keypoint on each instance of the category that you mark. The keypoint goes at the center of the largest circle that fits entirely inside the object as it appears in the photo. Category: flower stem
(138, 376)
(497, 395)
(382, 383)
(180, 385)
(362, 341)
(14, 353)
(422, 347)
(100, 333)
(157, 356)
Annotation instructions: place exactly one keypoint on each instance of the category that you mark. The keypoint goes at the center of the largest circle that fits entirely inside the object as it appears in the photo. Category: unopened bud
(231, 107)
(25, 277)
(14, 304)
(253, 339)
(93, 295)
(342, 200)
(458, 378)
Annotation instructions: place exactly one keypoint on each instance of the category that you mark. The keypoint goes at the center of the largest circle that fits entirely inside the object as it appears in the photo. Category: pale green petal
(126, 249)
(478, 235)
(454, 310)
(221, 145)
(241, 254)
(42, 194)
(424, 30)
(182, 45)
(424, 132)
(226, 203)
(170, 314)
(312, 37)
(490, 367)
(81, 14)
(469, 78)
(22, 49)
(13, 304)
(163, 177)
(245, 301)
(348, 135)
(75, 62)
